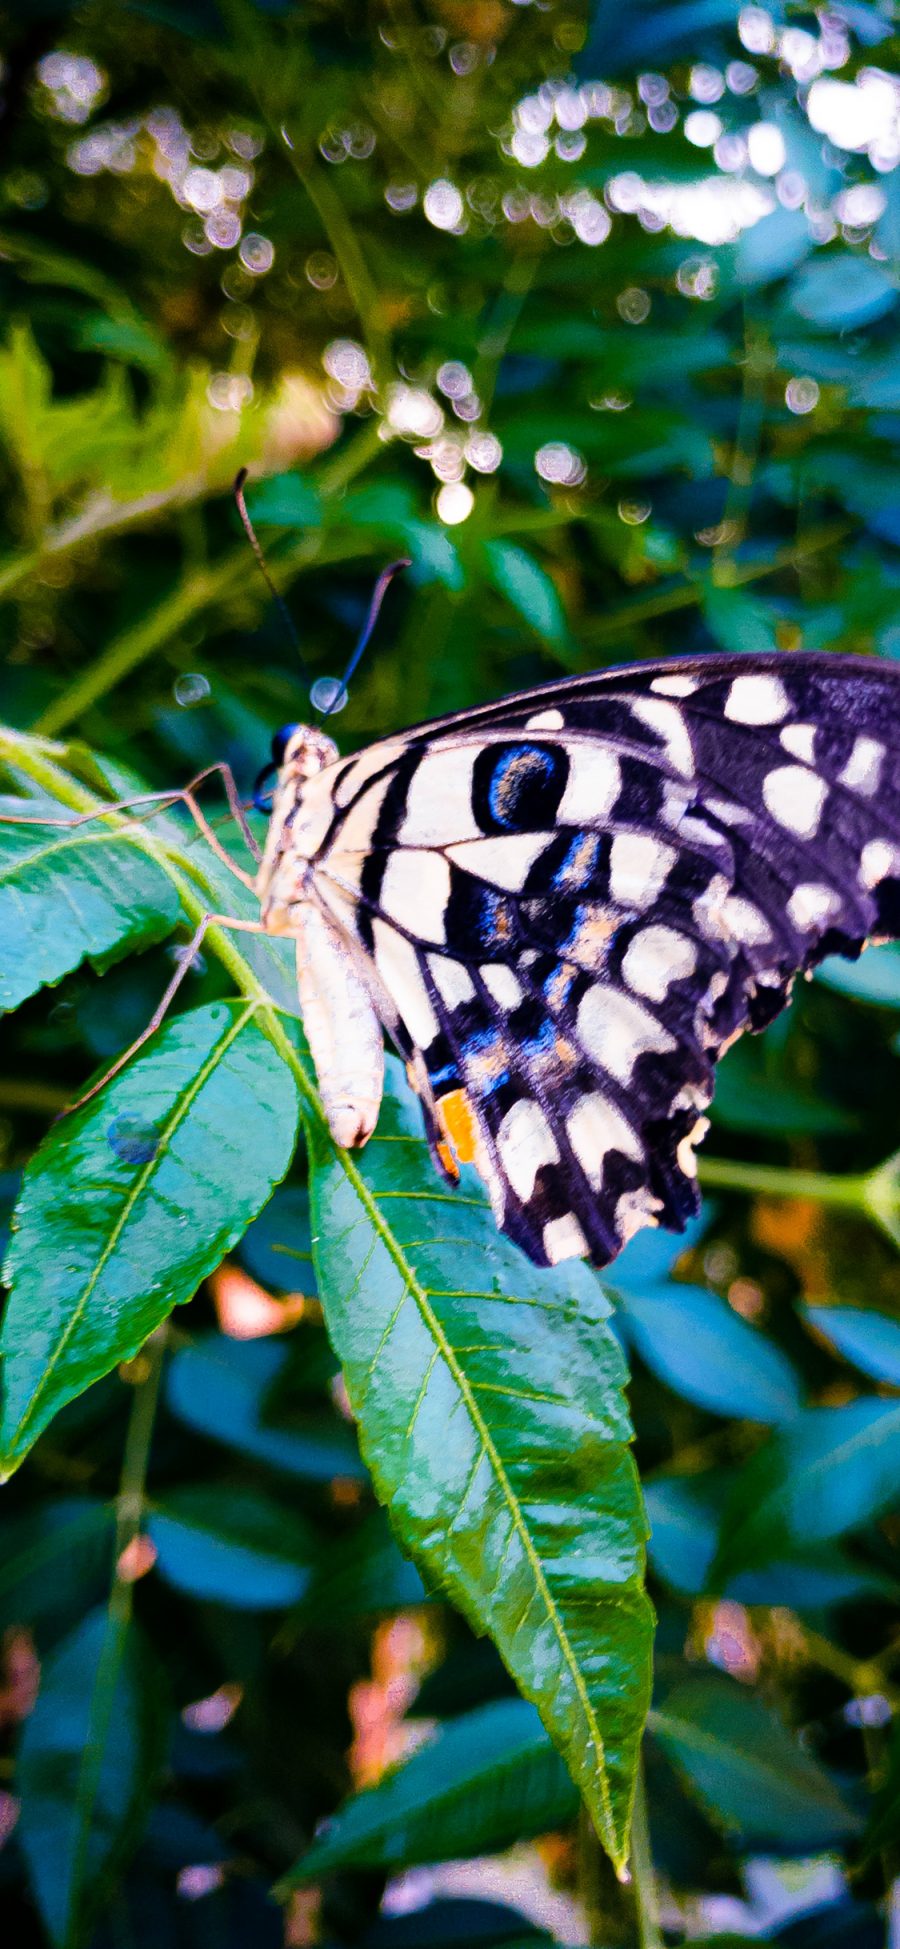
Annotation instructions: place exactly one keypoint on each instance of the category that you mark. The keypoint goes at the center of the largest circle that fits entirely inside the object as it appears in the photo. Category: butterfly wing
(572, 902)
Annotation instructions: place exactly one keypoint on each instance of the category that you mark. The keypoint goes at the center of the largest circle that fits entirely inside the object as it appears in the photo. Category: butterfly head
(298, 752)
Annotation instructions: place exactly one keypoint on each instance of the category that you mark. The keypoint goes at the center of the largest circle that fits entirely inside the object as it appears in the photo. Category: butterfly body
(564, 906)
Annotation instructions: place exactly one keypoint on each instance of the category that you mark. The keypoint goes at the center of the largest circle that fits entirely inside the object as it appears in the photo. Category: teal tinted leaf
(488, 1779)
(88, 1760)
(841, 292)
(518, 577)
(739, 621)
(489, 1401)
(875, 977)
(285, 501)
(231, 1546)
(219, 1387)
(868, 1340)
(694, 1342)
(277, 1249)
(747, 1770)
(829, 1471)
(685, 1513)
(71, 895)
(132, 1200)
(128, 339)
(772, 247)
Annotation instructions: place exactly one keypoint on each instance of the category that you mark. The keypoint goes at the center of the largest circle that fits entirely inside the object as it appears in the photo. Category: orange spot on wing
(448, 1160)
(457, 1120)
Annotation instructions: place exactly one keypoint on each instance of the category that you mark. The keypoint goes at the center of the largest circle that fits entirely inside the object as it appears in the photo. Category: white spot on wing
(370, 761)
(799, 740)
(526, 1143)
(634, 1210)
(592, 786)
(439, 800)
(744, 922)
(863, 768)
(415, 891)
(504, 861)
(675, 686)
(667, 720)
(564, 1239)
(398, 966)
(451, 979)
(877, 861)
(795, 798)
(595, 1126)
(502, 984)
(810, 904)
(637, 868)
(551, 720)
(615, 1031)
(655, 958)
(757, 700)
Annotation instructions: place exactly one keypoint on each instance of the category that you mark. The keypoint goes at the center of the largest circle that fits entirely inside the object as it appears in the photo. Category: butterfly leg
(160, 802)
(186, 959)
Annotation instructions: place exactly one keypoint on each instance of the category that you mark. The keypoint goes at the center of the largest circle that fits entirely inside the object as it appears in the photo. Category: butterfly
(563, 908)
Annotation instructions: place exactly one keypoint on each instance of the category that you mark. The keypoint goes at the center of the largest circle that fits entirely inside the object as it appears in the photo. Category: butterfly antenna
(378, 594)
(240, 482)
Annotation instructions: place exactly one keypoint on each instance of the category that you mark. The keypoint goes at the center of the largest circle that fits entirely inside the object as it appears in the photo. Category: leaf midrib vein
(179, 1111)
(422, 1299)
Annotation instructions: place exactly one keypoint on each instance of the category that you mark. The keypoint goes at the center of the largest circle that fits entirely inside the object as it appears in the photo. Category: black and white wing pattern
(571, 902)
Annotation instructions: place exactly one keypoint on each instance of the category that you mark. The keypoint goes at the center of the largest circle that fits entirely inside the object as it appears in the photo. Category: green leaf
(55, 1559)
(739, 621)
(489, 1401)
(231, 1546)
(362, 1574)
(748, 1772)
(68, 896)
(518, 577)
(488, 1779)
(88, 1760)
(694, 1342)
(219, 1387)
(285, 501)
(827, 1472)
(868, 1340)
(132, 1200)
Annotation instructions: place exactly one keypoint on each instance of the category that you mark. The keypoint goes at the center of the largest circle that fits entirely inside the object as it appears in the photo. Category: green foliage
(349, 262)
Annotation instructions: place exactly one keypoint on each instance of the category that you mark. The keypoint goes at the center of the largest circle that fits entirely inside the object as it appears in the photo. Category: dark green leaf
(490, 1778)
(488, 1396)
(749, 1773)
(131, 1201)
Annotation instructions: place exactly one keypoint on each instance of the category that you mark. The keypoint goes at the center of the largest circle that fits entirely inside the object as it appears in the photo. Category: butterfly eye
(280, 742)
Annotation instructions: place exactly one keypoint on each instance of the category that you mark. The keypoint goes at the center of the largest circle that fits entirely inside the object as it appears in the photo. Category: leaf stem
(642, 1870)
(770, 1180)
(129, 1511)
